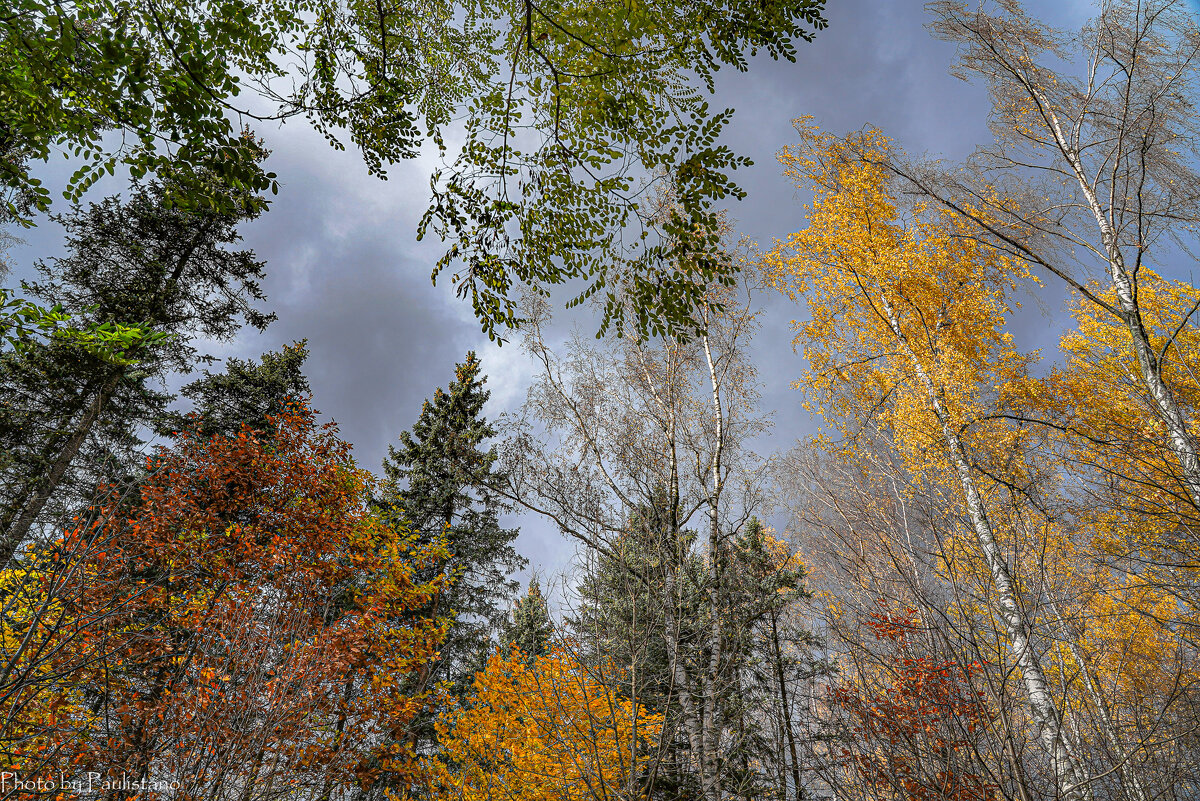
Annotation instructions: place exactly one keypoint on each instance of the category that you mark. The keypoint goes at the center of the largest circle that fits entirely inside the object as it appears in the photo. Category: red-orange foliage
(255, 622)
(911, 734)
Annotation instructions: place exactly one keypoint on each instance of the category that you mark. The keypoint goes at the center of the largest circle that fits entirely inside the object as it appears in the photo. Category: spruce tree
(246, 393)
(70, 419)
(530, 628)
(441, 480)
(620, 619)
(619, 614)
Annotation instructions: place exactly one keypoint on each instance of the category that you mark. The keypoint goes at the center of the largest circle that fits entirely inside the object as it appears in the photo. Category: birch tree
(648, 442)
(906, 325)
(1091, 178)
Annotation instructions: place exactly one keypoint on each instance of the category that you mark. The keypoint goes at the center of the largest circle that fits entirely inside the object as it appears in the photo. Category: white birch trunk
(1130, 777)
(1163, 399)
(716, 652)
(1072, 781)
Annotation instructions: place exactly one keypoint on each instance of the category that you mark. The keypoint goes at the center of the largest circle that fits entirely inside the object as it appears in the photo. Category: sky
(345, 270)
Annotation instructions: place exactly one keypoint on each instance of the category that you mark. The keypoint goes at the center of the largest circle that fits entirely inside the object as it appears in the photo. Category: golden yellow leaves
(892, 291)
(552, 730)
(1086, 508)
(1109, 435)
(1134, 653)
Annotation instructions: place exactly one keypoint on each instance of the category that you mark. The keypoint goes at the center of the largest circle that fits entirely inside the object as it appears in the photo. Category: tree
(440, 482)
(531, 629)
(41, 648)
(618, 619)
(570, 110)
(1092, 181)
(1129, 494)
(249, 623)
(873, 530)
(643, 457)
(766, 585)
(545, 731)
(911, 725)
(245, 394)
(168, 269)
(1111, 441)
(879, 540)
(1093, 176)
(1092, 171)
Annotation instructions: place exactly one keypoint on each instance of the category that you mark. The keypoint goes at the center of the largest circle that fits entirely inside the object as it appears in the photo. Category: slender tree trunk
(53, 447)
(788, 733)
(1149, 366)
(1072, 780)
(15, 535)
(691, 720)
(671, 558)
(712, 725)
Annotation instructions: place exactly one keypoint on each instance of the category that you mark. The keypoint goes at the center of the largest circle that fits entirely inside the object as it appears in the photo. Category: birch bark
(1072, 779)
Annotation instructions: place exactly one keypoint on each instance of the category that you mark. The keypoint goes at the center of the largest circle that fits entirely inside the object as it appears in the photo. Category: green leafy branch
(22, 322)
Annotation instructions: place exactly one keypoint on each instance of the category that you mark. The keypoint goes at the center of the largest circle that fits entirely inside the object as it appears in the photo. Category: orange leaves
(913, 723)
(885, 626)
(547, 731)
(253, 616)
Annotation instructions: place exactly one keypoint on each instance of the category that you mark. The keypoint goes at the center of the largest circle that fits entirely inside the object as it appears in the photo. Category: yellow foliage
(1112, 436)
(42, 709)
(1134, 653)
(906, 344)
(893, 291)
(546, 731)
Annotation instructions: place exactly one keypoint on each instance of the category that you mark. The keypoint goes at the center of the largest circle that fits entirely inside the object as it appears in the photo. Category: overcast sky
(346, 272)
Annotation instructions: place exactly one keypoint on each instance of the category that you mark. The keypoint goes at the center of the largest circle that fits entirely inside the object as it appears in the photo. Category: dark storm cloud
(875, 65)
(345, 273)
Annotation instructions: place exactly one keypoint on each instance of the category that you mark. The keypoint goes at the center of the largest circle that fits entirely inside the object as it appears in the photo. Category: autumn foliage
(546, 730)
(912, 721)
(248, 627)
(987, 585)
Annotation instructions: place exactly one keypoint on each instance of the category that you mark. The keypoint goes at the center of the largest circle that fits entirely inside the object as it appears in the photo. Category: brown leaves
(914, 721)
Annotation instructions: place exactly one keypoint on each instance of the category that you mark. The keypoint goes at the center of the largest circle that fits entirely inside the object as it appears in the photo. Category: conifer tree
(440, 481)
(530, 628)
(619, 614)
(70, 418)
(247, 392)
